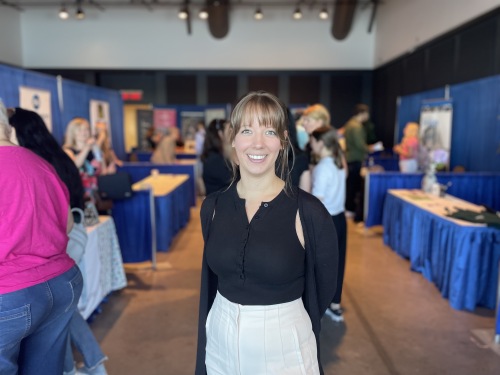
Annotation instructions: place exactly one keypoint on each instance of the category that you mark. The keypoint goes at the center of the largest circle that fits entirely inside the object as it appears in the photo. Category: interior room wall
(10, 37)
(404, 25)
(121, 38)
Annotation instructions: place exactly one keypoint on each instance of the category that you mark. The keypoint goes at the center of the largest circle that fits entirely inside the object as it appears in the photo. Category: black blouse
(261, 262)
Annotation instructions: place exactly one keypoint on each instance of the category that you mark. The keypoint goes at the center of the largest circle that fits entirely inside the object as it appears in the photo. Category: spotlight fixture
(63, 13)
(183, 13)
(80, 14)
(203, 14)
(297, 14)
(258, 15)
(323, 14)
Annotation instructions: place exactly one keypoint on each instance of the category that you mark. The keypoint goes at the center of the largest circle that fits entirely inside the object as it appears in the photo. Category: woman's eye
(271, 132)
(245, 131)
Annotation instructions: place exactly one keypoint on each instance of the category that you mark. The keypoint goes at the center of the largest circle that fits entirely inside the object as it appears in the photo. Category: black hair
(32, 133)
(213, 139)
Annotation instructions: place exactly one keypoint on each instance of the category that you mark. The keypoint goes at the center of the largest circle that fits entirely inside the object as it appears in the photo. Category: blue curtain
(475, 134)
(13, 78)
(76, 102)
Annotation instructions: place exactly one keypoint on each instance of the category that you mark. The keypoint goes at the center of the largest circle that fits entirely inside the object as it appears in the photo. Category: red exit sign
(131, 95)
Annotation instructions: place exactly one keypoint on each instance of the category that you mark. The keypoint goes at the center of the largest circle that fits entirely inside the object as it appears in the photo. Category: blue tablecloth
(139, 171)
(133, 221)
(478, 188)
(146, 155)
(462, 261)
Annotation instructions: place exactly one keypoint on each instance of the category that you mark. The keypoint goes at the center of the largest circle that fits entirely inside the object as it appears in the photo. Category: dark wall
(469, 52)
(339, 91)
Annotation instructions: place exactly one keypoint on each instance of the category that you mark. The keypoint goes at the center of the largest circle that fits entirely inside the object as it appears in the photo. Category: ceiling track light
(297, 14)
(323, 14)
(258, 15)
(80, 14)
(183, 13)
(203, 14)
(63, 13)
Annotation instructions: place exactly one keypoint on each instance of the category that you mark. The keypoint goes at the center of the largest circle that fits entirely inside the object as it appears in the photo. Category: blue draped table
(139, 171)
(172, 196)
(145, 156)
(460, 258)
(476, 187)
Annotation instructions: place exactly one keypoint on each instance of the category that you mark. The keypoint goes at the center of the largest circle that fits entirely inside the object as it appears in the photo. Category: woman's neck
(260, 189)
(325, 153)
(5, 141)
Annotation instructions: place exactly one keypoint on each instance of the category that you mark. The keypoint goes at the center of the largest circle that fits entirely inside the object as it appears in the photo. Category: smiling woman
(267, 281)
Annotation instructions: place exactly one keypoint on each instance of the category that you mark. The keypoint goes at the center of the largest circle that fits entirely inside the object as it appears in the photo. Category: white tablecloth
(101, 265)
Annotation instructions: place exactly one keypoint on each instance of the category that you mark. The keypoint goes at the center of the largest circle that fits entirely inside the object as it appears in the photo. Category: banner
(435, 134)
(38, 101)
(164, 118)
(99, 117)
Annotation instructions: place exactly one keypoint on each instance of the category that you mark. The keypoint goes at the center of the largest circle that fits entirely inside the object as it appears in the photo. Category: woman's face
(316, 146)
(82, 132)
(310, 124)
(257, 148)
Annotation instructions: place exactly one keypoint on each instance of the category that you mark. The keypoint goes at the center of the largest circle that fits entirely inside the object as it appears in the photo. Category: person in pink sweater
(39, 283)
(408, 149)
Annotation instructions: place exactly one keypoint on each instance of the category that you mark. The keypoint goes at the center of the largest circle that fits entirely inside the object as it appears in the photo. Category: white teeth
(257, 157)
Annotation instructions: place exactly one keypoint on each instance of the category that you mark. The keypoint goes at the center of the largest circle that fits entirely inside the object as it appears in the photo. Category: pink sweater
(33, 217)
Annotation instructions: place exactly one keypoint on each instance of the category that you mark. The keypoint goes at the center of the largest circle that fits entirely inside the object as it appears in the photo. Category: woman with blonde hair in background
(81, 147)
(408, 149)
(313, 117)
(103, 141)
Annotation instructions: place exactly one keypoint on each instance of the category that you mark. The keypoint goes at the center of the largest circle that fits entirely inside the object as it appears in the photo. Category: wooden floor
(396, 322)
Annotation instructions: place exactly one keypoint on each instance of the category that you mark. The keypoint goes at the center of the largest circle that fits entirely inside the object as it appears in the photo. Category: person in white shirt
(328, 184)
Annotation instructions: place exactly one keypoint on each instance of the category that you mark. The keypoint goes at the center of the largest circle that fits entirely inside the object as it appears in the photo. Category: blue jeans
(83, 339)
(34, 325)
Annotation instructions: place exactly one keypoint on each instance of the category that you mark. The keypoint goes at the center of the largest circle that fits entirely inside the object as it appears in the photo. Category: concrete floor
(396, 322)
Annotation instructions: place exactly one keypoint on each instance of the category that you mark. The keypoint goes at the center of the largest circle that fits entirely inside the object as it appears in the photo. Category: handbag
(91, 216)
(77, 236)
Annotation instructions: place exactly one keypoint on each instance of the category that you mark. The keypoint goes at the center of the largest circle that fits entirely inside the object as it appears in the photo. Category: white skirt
(254, 340)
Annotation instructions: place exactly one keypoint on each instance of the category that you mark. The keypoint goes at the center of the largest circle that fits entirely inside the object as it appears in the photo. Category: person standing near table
(39, 283)
(29, 131)
(328, 184)
(81, 147)
(270, 260)
(356, 151)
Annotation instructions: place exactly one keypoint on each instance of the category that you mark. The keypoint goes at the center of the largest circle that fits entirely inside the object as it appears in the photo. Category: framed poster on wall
(435, 133)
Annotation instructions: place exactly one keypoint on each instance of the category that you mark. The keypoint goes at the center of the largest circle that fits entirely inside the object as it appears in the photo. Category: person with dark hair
(30, 132)
(356, 151)
(215, 157)
(269, 266)
(328, 184)
(39, 283)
